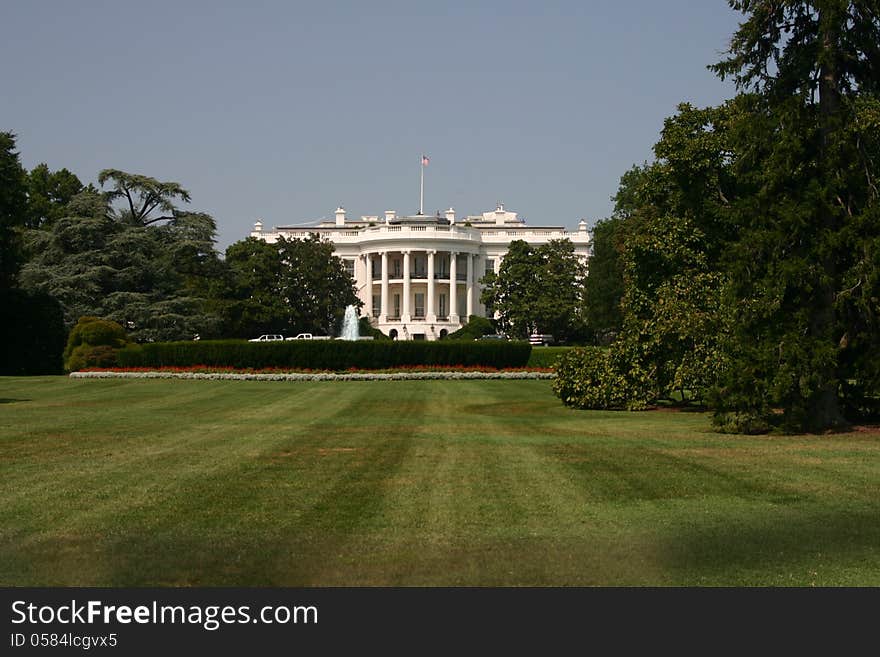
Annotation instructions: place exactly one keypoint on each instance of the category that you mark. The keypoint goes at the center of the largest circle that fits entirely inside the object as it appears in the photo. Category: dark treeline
(742, 267)
(130, 251)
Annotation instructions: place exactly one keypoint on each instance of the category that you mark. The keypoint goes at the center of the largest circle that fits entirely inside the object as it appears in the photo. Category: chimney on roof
(340, 216)
(450, 215)
(389, 215)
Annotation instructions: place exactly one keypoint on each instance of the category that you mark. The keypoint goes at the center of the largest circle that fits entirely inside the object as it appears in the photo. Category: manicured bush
(86, 355)
(592, 378)
(476, 327)
(333, 355)
(367, 329)
(547, 356)
(84, 340)
(32, 336)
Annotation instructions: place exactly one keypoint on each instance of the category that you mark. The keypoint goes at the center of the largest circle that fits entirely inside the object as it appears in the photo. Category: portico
(420, 292)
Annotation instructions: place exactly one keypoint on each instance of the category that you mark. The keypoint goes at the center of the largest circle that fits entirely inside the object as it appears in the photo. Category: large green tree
(142, 195)
(49, 192)
(13, 210)
(538, 290)
(803, 275)
(287, 287)
(251, 302)
(152, 280)
(668, 233)
(315, 286)
(603, 288)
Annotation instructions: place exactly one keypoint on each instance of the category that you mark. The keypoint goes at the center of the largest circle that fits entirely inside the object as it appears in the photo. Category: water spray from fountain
(350, 328)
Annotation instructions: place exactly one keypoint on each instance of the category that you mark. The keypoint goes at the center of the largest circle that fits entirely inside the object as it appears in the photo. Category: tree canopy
(538, 290)
(152, 280)
(288, 287)
(802, 278)
(750, 246)
(142, 195)
(13, 209)
(49, 192)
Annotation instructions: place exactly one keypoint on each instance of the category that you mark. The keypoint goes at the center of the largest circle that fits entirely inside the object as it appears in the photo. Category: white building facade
(419, 276)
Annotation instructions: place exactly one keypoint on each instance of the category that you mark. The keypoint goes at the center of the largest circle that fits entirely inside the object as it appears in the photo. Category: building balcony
(405, 232)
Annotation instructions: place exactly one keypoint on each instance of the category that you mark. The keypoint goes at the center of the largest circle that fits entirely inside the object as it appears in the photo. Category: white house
(419, 276)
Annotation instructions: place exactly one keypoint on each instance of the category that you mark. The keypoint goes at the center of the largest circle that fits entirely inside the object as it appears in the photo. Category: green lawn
(143, 482)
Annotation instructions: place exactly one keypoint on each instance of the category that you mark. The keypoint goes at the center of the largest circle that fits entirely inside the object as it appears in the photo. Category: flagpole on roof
(423, 163)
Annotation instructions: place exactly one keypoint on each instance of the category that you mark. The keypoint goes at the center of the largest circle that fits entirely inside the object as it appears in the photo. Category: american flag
(425, 160)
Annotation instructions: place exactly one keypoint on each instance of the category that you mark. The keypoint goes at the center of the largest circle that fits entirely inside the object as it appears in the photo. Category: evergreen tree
(13, 210)
(49, 192)
(803, 282)
(152, 280)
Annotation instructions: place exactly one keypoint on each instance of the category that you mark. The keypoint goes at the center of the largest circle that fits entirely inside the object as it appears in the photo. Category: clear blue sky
(282, 110)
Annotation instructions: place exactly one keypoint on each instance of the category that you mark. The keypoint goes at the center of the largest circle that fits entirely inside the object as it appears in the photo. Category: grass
(156, 482)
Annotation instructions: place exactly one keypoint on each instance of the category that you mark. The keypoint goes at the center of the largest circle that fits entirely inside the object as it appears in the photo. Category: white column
(453, 287)
(383, 311)
(431, 310)
(405, 313)
(368, 287)
(470, 285)
(479, 272)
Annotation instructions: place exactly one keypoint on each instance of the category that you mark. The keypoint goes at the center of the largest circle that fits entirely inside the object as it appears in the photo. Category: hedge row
(325, 354)
(547, 356)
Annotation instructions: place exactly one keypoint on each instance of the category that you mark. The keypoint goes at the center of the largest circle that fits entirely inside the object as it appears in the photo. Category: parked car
(267, 338)
(492, 336)
(544, 339)
(309, 336)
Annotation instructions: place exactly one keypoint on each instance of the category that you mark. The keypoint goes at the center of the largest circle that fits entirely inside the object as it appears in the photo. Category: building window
(420, 264)
(442, 267)
(349, 266)
(395, 269)
(376, 266)
(441, 305)
(420, 305)
(397, 305)
(461, 268)
(377, 304)
(490, 267)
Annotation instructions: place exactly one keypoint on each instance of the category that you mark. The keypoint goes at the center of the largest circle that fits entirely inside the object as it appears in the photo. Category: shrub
(325, 354)
(367, 329)
(86, 355)
(89, 333)
(595, 378)
(476, 327)
(547, 356)
(32, 336)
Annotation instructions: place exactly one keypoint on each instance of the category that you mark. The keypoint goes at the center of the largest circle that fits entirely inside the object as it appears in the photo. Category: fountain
(350, 329)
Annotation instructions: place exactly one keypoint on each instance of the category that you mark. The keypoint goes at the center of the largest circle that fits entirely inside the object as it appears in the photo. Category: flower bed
(399, 375)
